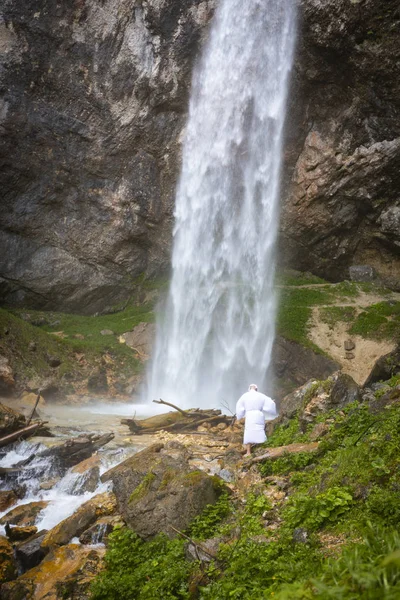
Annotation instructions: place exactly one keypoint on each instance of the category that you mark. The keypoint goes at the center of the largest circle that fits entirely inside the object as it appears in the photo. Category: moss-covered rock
(157, 491)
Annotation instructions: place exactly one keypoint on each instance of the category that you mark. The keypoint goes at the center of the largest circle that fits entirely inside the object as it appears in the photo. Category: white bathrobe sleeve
(240, 408)
(269, 409)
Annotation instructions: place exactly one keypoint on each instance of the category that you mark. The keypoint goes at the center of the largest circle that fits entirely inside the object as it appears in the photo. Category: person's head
(253, 386)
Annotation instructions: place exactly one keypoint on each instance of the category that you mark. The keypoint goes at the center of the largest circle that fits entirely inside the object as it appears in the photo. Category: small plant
(206, 525)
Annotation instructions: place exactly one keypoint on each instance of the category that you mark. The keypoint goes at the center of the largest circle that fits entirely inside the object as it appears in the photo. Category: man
(253, 405)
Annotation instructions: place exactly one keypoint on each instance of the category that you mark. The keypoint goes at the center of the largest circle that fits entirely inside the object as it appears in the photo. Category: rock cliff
(93, 101)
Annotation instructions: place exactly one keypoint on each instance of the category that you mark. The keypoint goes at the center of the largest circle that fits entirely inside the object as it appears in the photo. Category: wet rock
(384, 368)
(18, 534)
(30, 552)
(89, 471)
(10, 420)
(97, 382)
(155, 491)
(73, 451)
(7, 499)
(8, 566)
(73, 526)
(7, 382)
(66, 572)
(362, 273)
(24, 515)
(47, 485)
(99, 531)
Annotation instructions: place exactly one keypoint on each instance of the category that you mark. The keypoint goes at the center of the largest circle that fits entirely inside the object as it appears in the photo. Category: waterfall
(216, 330)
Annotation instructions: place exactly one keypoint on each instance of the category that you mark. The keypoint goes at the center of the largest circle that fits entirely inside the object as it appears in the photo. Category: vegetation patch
(379, 321)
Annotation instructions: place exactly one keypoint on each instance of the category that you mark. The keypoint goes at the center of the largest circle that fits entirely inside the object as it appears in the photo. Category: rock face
(343, 149)
(92, 108)
(156, 490)
(293, 365)
(93, 102)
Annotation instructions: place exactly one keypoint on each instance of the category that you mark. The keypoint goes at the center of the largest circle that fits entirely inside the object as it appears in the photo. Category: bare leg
(248, 449)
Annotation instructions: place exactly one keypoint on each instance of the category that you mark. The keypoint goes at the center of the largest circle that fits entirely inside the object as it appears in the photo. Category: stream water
(65, 422)
(215, 333)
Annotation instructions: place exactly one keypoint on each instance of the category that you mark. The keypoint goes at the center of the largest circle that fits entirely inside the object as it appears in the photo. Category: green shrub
(206, 525)
(136, 570)
(312, 512)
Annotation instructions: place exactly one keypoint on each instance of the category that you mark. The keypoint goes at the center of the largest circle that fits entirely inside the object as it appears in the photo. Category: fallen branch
(274, 453)
(33, 410)
(20, 434)
(195, 544)
(160, 401)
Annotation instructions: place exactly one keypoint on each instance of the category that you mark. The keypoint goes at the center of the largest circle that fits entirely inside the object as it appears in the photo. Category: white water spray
(217, 328)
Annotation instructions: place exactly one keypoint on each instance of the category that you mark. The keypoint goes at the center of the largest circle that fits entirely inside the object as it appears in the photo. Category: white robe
(253, 405)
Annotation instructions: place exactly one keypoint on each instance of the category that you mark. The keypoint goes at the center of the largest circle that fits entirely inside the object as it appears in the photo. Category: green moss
(379, 321)
(143, 488)
(168, 476)
(333, 314)
(192, 478)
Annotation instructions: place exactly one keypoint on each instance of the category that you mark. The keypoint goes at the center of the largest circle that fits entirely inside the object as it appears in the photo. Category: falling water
(217, 328)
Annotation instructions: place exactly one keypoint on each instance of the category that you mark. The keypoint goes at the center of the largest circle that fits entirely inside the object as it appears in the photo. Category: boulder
(7, 382)
(29, 399)
(73, 526)
(385, 367)
(30, 552)
(335, 393)
(66, 572)
(8, 566)
(7, 499)
(24, 515)
(156, 490)
(344, 391)
(290, 404)
(18, 534)
(140, 339)
(10, 420)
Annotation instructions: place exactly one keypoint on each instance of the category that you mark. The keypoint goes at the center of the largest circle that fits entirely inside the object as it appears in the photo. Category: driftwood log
(21, 434)
(182, 421)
